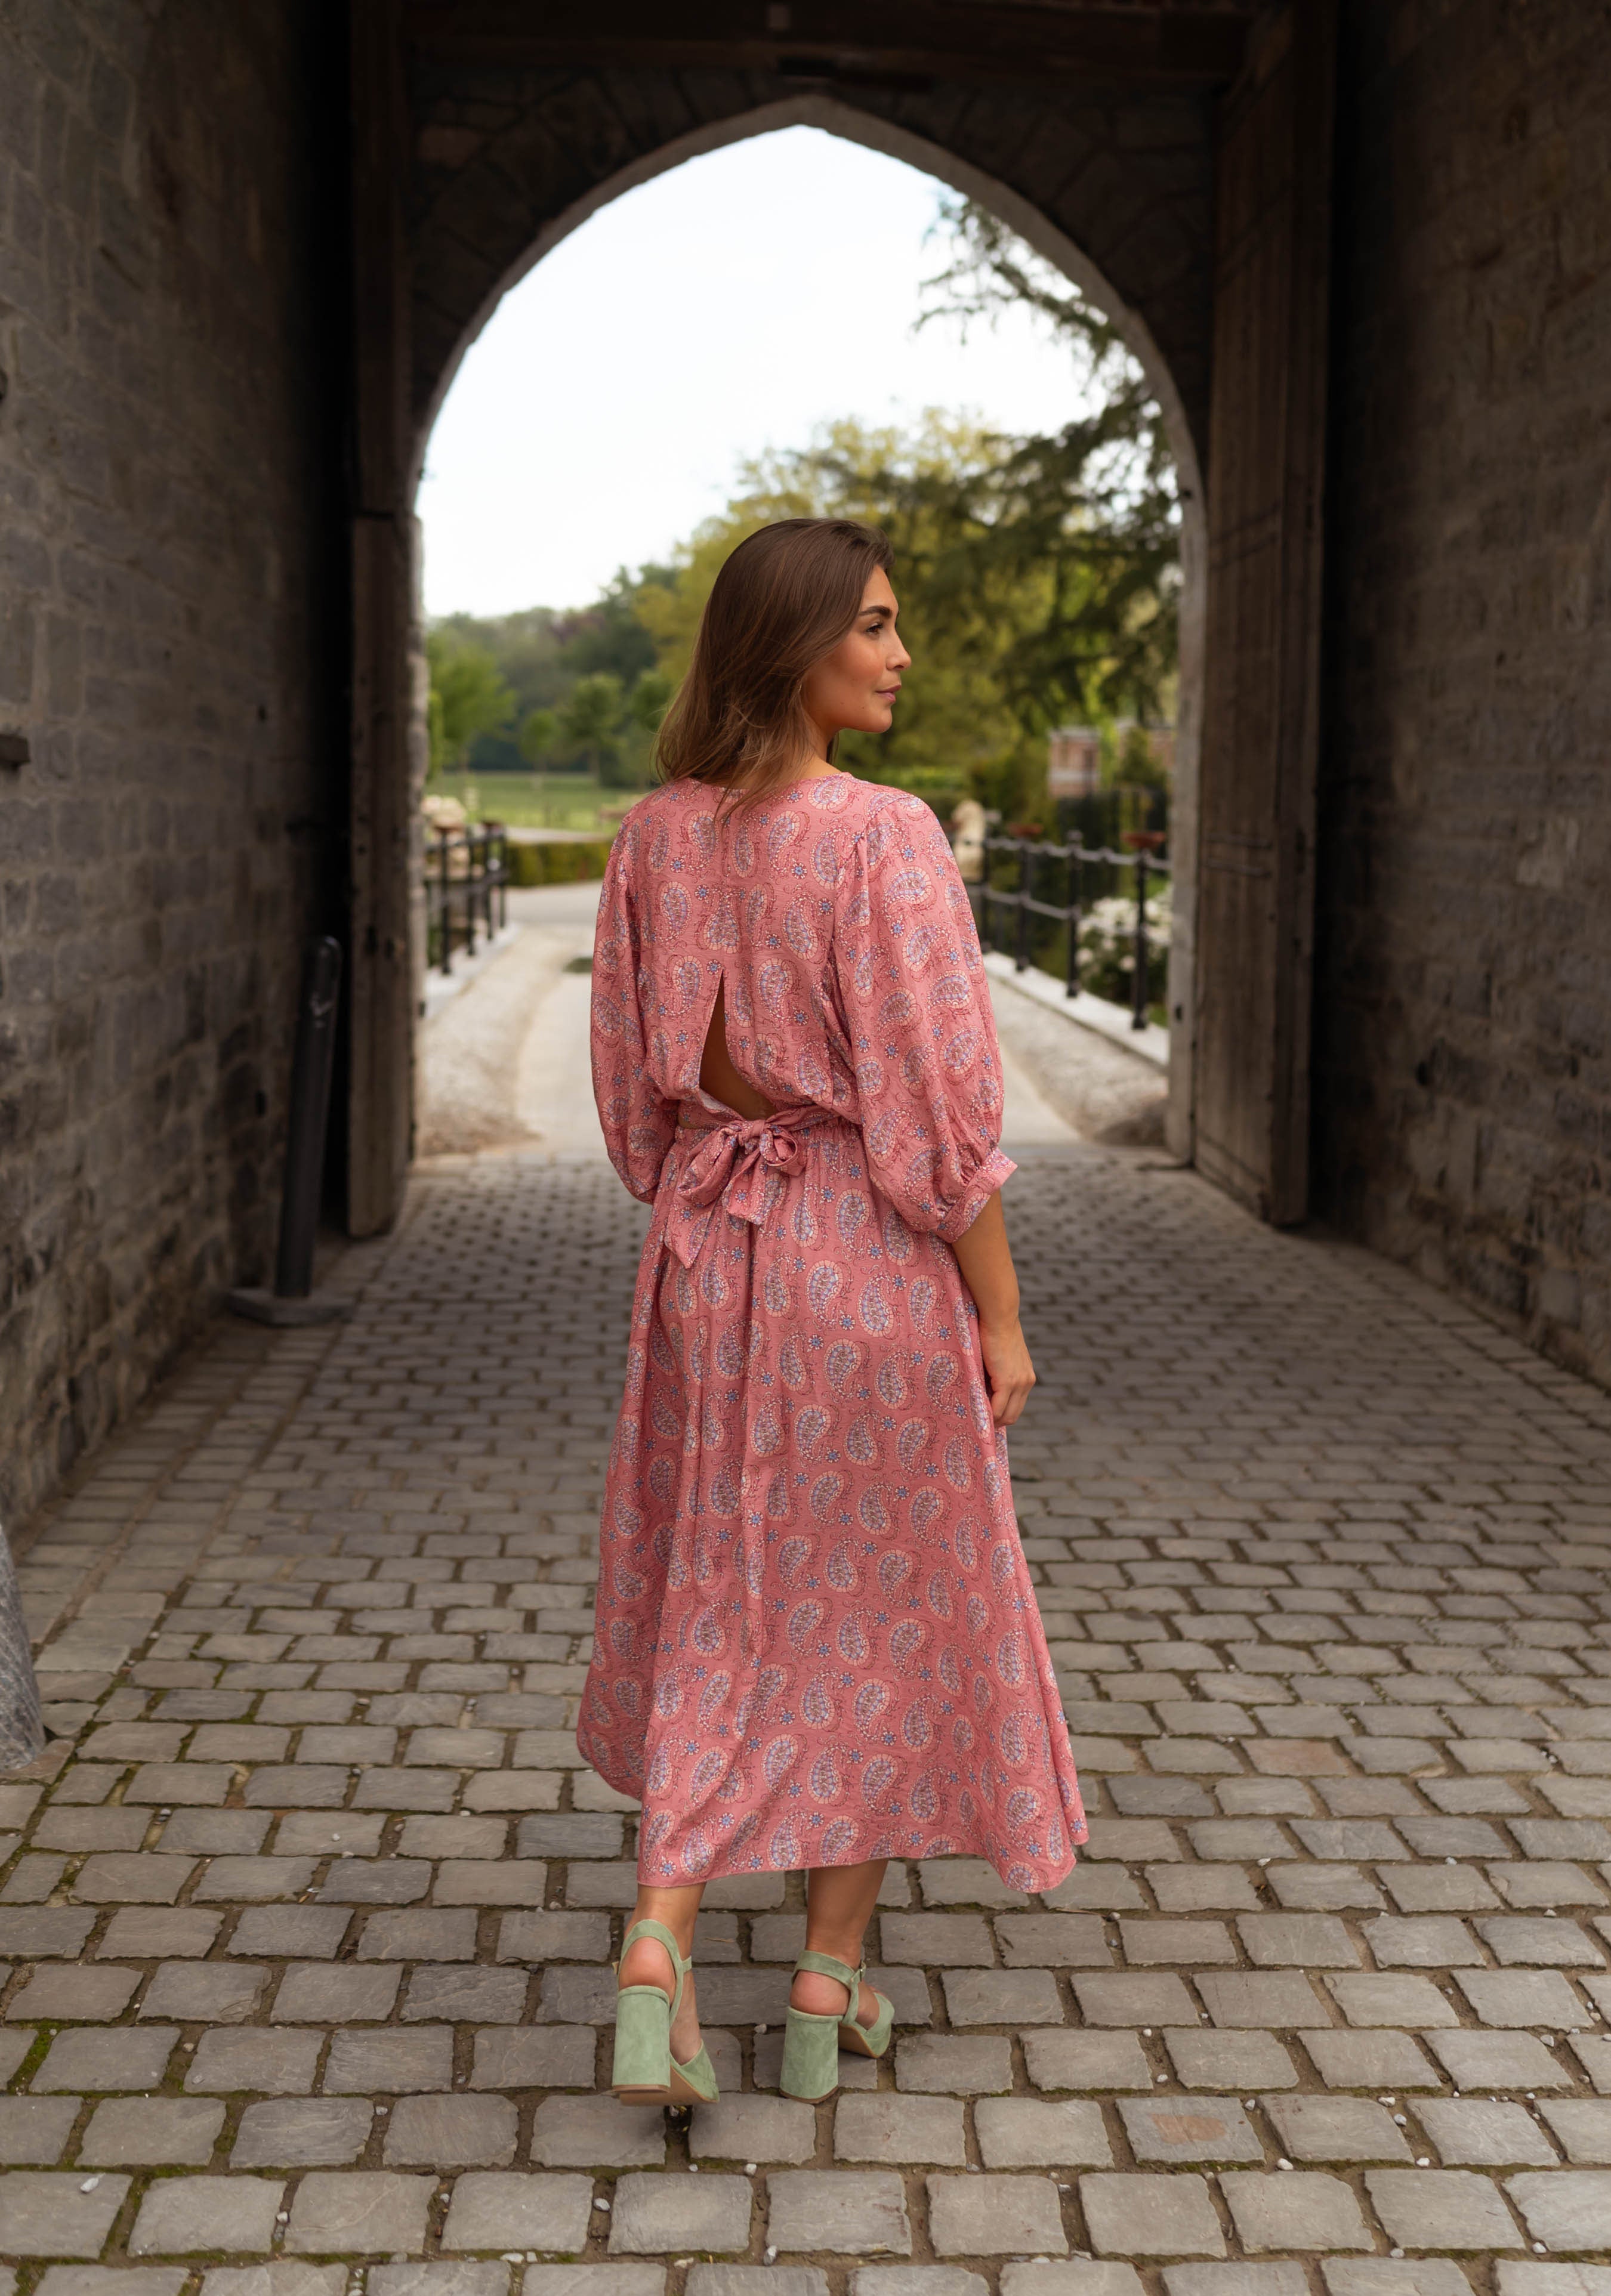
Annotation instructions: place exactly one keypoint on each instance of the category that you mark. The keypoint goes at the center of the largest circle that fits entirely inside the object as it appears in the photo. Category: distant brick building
(1362, 254)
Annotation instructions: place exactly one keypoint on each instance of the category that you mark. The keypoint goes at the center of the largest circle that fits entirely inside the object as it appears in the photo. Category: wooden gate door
(1260, 706)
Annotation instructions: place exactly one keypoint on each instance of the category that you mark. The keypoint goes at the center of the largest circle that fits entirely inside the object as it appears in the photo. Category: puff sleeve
(915, 1004)
(639, 1121)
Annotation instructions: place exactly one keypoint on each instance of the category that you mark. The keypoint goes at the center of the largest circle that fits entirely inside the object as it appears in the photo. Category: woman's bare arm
(986, 1261)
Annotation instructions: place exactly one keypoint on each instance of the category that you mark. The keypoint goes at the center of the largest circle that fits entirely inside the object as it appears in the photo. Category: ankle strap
(825, 1965)
(662, 1935)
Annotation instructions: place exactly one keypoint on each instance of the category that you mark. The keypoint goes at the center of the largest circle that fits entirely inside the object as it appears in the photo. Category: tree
(468, 697)
(538, 731)
(591, 719)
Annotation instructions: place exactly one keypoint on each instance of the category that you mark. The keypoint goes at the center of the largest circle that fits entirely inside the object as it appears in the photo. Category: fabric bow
(729, 1167)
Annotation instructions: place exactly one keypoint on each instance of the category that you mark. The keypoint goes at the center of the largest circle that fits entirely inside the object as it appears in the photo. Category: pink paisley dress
(816, 1639)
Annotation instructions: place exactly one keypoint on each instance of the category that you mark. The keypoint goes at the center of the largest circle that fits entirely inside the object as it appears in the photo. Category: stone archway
(1187, 200)
(834, 116)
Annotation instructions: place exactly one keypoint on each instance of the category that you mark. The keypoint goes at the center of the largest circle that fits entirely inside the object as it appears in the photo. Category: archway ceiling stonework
(524, 120)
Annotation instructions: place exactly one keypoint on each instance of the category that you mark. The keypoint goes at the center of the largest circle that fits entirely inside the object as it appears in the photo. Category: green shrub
(558, 861)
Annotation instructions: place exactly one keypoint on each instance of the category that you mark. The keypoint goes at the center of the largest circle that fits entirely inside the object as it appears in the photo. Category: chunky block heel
(643, 2071)
(811, 2043)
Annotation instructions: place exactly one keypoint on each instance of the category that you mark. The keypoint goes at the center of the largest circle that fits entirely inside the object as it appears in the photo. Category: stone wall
(1463, 1085)
(159, 481)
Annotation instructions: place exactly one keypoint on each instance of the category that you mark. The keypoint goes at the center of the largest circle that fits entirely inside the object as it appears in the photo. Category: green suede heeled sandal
(811, 2043)
(644, 2071)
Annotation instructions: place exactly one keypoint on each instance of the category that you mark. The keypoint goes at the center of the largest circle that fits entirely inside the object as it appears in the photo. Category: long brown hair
(783, 599)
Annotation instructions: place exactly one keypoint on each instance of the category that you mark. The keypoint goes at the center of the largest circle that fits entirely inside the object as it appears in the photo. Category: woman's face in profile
(853, 689)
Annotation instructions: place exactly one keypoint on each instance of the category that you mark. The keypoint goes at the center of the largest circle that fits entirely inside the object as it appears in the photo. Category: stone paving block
(1209, 2059)
(74, 1994)
(1276, 1999)
(962, 1882)
(1497, 2060)
(1471, 2133)
(1372, 2059)
(563, 2280)
(1202, 1889)
(915, 2280)
(1303, 2212)
(553, 1936)
(1024, 2132)
(1297, 1942)
(149, 1933)
(937, 1940)
(959, 2064)
(1189, 2128)
(1150, 2216)
(1449, 2209)
(1002, 1997)
(1235, 2280)
(1153, 1942)
(1583, 2126)
(1388, 2276)
(205, 1992)
(111, 2280)
(318, 1993)
(362, 2212)
(1528, 1940)
(178, 1782)
(756, 2280)
(526, 2057)
(253, 1881)
(600, 2132)
(460, 1992)
(244, 2057)
(662, 2215)
(34, 2130)
(740, 2127)
(187, 2216)
(1565, 2209)
(1101, 2061)
(1118, 1997)
(995, 2216)
(132, 1878)
(1087, 2276)
(1053, 1941)
(1391, 2000)
(376, 1881)
(1513, 2279)
(111, 2057)
(44, 1932)
(304, 2132)
(284, 2276)
(896, 2129)
(1439, 1889)
(152, 2132)
(1547, 1882)
(42, 2214)
(289, 1932)
(381, 2060)
(1428, 1941)
(419, 1935)
(450, 2132)
(1516, 1997)
(1343, 2128)
(587, 1997)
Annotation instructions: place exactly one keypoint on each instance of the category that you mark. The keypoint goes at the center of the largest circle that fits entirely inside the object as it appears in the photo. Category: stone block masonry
(1276, 1497)
(164, 480)
(1462, 1089)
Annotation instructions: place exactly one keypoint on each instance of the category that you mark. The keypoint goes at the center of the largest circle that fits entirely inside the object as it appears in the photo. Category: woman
(816, 1645)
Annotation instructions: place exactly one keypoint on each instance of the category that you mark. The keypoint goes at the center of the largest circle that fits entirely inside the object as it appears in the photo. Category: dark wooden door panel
(1260, 717)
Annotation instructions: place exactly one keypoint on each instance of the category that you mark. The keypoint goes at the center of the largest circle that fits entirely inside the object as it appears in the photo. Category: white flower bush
(1107, 947)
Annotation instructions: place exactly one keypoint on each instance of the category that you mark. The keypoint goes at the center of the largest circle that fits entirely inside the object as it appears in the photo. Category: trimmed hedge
(558, 861)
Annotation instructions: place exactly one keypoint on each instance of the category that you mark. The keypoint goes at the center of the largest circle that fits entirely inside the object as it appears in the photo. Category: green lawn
(536, 801)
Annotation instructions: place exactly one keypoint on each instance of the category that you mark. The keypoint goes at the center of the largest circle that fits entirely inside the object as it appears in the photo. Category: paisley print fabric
(816, 1639)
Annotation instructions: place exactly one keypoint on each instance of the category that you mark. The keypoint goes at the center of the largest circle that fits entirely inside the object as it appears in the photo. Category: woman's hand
(1007, 1368)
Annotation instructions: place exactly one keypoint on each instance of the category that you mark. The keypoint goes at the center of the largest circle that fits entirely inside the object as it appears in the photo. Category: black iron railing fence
(466, 884)
(1005, 913)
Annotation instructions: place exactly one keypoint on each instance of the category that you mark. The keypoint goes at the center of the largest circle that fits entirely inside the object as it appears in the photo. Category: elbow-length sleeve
(914, 1000)
(639, 1121)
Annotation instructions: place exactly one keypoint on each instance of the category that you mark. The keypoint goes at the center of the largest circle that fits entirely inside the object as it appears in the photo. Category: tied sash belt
(730, 1165)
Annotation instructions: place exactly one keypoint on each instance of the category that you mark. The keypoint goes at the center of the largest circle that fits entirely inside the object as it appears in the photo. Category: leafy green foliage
(469, 696)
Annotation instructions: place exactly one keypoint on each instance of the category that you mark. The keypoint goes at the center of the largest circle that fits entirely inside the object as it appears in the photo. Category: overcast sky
(732, 304)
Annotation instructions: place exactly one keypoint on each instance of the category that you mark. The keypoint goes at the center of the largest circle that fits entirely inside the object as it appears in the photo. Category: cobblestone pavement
(308, 1933)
